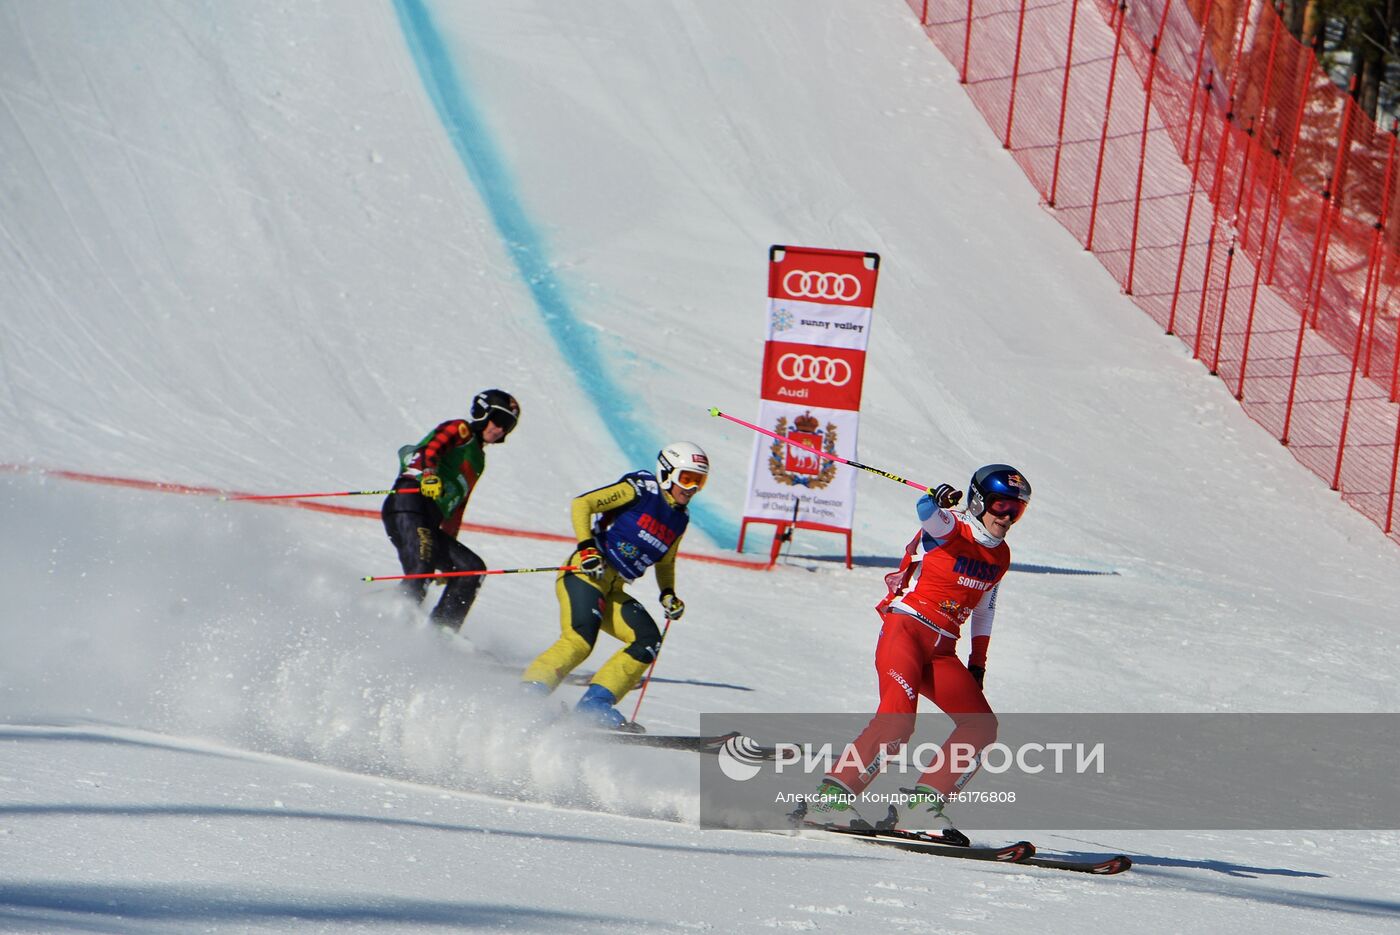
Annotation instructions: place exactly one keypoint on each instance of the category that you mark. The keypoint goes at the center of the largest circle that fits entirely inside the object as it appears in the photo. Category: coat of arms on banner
(794, 466)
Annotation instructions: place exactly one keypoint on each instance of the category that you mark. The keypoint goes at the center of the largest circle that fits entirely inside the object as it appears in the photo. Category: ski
(950, 843)
(1021, 852)
(953, 843)
(1107, 867)
(696, 744)
(924, 843)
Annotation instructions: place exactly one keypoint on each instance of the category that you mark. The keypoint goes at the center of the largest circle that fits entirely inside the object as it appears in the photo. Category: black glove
(947, 496)
(672, 606)
(590, 560)
(978, 672)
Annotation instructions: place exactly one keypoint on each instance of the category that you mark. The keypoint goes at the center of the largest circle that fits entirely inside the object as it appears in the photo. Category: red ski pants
(912, 659)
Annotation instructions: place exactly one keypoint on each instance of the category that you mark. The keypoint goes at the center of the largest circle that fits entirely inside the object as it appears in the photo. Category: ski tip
(714, 410)
(1116, 864)
(1015, 853)
(1103, 868)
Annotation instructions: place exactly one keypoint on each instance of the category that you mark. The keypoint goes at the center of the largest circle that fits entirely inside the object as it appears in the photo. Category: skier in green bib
(424, 513)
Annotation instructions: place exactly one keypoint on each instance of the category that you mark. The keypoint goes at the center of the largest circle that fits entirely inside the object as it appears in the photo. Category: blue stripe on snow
(576, 340)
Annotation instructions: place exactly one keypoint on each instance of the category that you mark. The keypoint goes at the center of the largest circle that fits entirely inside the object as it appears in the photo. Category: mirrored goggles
(1011, 508)
(689, 480)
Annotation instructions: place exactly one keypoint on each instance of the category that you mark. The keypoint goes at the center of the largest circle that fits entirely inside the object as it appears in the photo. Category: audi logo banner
(814, 368)
(821, 287)
(829, 377)
(832, 277)
(820, 304)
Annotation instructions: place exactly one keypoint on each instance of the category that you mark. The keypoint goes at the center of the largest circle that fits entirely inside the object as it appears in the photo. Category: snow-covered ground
(258, 246)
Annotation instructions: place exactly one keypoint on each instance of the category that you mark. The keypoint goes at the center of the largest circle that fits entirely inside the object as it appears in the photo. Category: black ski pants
(414, 525)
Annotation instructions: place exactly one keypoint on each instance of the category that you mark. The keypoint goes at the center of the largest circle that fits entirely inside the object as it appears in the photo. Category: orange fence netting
(1239, 196)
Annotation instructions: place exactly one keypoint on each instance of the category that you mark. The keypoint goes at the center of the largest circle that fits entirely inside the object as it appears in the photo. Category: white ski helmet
(683, 464)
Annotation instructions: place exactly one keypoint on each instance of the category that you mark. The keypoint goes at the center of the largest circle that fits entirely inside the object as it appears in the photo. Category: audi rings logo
(809, 368)
(802, 284)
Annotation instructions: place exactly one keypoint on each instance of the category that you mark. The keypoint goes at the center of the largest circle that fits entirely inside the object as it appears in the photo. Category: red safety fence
(316, 507)
(1239, 196)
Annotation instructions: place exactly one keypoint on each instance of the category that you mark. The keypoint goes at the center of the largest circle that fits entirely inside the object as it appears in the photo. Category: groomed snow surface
(258, 246)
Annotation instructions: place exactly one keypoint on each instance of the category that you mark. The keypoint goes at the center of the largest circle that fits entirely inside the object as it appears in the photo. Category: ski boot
(596, 706)
(931, 803)
(830, 799)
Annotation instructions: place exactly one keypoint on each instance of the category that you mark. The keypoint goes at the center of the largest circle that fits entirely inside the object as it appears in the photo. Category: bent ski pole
(463, 574)
(647, 681)
(823, 454)
(305, 496)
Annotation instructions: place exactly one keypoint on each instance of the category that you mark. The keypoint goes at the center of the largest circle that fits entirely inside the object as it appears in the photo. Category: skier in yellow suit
(623, 529)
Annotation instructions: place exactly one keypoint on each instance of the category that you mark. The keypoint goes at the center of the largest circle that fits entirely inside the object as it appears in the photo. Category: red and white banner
(819, 310)
(805, 374)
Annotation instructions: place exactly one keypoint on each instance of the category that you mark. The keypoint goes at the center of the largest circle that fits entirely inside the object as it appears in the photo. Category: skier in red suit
(950, 575)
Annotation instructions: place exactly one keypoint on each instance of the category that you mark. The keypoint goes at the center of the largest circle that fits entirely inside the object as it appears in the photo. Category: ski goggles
(1011, 508)
(502, 418)
(689, 480)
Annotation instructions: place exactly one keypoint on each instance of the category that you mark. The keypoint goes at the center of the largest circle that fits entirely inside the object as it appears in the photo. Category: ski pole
(647, 681)
(823, 454)
(463, 574)
(304, 496)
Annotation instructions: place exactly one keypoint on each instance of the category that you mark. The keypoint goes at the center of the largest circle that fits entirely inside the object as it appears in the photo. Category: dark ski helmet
(496, 406)
(999, 488)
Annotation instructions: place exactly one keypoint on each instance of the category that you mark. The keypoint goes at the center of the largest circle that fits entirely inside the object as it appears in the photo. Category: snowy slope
(260, 247)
